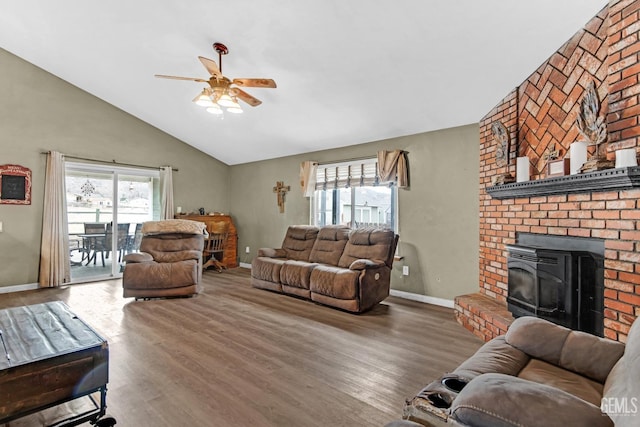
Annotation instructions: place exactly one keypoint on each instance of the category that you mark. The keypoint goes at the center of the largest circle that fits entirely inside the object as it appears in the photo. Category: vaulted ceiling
(348, 71)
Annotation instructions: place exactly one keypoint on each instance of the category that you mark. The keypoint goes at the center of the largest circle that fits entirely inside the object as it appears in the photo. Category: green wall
(438, 214)
(40, 112)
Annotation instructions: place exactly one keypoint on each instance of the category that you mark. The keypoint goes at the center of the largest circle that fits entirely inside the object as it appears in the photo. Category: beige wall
(40, 112)
(438, 215)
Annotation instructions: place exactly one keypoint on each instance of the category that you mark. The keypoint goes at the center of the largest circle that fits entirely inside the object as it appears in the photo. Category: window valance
(387, 168)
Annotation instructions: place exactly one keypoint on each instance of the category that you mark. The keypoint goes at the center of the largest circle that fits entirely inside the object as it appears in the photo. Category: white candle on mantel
(522, 169)
(626, 158)
(578, 156)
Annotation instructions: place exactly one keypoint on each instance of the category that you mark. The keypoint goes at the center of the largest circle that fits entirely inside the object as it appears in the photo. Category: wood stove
(558, 279)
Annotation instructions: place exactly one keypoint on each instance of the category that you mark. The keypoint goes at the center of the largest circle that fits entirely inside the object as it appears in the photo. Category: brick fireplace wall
(540, 112)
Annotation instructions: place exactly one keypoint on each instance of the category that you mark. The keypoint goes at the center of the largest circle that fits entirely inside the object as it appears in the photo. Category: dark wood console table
(230, 259)
(48, 356)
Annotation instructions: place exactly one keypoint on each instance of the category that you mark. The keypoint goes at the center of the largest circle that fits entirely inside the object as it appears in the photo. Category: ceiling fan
(222, 91)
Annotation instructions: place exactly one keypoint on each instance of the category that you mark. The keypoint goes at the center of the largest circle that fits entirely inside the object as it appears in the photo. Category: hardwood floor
(239, 356)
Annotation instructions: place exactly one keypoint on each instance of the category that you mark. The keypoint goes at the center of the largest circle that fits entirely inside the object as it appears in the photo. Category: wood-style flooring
(239, 356)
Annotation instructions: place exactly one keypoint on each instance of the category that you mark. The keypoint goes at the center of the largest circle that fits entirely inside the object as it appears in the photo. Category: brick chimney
(540, 112)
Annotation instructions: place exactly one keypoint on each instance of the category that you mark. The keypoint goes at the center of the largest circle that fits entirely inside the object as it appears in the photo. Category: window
(350, 193)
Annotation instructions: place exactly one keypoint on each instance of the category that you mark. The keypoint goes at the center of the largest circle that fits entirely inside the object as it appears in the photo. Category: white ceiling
(348, 71)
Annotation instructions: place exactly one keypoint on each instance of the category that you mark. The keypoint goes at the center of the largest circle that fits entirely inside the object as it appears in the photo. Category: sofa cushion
(494, 356)
(152, 275)
(335, 282)
(498, 400)
(296, 273)
(368, 243)
(157, 245)
(545, 373)
(577, 351)
(138, 257)
(298, 242)
(267, 269)
(329, 244)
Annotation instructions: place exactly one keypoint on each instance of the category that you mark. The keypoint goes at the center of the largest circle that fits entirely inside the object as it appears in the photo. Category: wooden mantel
(605, 180)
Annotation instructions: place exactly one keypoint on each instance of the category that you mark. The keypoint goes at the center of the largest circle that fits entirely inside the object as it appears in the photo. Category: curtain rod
(112, 162)
(353, 159)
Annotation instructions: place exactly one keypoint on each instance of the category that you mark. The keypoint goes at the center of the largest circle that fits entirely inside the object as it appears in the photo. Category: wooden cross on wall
(281, 190)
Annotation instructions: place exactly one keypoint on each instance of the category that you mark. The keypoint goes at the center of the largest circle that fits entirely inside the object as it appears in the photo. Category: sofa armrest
(576, 351)
(272, 252)
(361, 264)
(138, 257)
(492, 400)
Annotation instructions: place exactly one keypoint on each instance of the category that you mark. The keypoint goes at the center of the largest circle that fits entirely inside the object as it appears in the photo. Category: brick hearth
(541, 111)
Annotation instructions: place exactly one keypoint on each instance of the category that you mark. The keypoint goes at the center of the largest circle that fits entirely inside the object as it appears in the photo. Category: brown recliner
(169, 263)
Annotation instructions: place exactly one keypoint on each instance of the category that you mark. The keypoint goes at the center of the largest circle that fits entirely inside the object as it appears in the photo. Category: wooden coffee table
(49, 356)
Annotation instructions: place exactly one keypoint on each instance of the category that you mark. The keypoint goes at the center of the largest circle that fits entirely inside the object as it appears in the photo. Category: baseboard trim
(245, 265)
(422, 298)
(18, 288)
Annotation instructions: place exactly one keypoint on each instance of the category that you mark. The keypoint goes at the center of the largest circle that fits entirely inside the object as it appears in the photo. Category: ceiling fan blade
(254, 102)
(255, 82)
(211, 66)
(162, 76)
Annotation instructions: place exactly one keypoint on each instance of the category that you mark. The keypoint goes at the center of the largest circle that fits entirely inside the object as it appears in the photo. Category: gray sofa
(538, 374)
(332, 265)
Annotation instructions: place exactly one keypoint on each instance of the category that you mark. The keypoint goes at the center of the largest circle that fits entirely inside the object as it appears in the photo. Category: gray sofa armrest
(495, 356)
(576, 351)
(498, 400)
(361, 264)
(138, 257)
(272, 252)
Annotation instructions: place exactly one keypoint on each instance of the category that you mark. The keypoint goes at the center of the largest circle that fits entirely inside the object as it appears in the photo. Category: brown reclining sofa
(331, 265)
(537, 375)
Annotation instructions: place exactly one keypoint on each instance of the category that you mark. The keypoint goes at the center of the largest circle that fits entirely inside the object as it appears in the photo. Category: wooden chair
(214, 246)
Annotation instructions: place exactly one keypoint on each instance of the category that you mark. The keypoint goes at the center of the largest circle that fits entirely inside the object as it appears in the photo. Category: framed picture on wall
(15, 185)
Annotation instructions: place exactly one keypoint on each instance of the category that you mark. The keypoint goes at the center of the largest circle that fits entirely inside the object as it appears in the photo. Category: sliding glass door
(106, 207)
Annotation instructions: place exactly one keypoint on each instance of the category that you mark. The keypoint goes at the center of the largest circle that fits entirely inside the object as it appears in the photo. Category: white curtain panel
(308, 170)
(54, 252)
(166, 192)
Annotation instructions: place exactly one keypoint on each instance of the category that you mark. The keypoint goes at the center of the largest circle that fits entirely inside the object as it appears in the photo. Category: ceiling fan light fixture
(214, 109)
(222, 95)
(235, 103)
(226, 101)
(235, 110)
(204, 100)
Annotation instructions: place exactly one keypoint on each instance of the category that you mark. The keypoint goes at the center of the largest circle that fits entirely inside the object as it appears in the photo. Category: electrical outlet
(0, 226)
(405, 270)
(247, 250)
